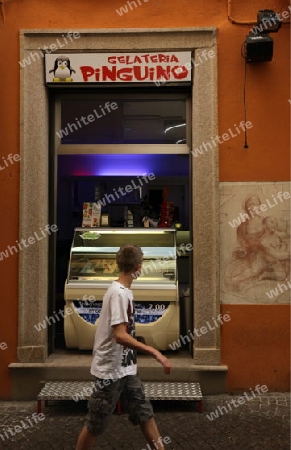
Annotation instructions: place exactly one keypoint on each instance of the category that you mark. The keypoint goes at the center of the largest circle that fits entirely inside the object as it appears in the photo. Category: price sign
(149, 312)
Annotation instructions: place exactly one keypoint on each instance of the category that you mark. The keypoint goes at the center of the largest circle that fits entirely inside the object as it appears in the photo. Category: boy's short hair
(128, 257)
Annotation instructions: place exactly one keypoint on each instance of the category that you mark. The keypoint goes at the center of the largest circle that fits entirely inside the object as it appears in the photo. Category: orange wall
(255, 345)
(267, 158)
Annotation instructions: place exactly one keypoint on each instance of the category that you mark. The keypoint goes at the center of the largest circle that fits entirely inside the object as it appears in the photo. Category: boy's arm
(123, 338)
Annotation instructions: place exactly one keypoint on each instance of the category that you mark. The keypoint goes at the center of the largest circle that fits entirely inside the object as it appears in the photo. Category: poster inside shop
(149, 312)
(89, 312)
(145, 312)
(118, 67)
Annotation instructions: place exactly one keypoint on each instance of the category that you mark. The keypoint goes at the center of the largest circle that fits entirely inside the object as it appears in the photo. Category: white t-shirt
(112, 360)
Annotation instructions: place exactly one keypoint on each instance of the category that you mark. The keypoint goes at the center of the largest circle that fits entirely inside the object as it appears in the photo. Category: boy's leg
(100, 407)
(140, 411)
(86, 440)
(152, 435)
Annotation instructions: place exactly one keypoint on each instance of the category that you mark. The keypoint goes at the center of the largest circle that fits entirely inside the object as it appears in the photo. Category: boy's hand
(162, 360)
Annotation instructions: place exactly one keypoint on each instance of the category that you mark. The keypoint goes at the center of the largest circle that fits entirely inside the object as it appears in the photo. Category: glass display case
(92, 267)
(93, 255)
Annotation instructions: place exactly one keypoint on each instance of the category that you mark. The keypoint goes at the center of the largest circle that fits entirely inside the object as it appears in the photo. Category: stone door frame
(34, 175)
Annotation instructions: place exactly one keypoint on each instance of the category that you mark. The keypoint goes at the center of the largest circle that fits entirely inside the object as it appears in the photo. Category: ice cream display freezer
(92, 268)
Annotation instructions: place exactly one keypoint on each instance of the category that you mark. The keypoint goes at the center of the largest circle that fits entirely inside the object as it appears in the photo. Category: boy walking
(114, 359)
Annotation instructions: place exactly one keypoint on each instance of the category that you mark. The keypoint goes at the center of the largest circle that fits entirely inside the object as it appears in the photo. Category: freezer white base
(160, 334)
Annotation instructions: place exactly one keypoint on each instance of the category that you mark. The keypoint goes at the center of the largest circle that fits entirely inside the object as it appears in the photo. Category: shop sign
(118, 67)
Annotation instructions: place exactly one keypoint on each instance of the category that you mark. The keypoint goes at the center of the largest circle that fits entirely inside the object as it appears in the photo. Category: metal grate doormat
(154, 390)
(172, 391)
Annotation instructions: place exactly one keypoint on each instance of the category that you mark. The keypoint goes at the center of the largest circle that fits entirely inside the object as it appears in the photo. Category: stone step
(28, 378)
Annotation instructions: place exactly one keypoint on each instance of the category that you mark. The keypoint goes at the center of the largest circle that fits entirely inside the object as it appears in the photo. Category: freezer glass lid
(148, 252)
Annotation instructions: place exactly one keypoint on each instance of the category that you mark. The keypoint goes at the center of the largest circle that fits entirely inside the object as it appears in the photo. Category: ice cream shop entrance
(126, 151)
(74, 167)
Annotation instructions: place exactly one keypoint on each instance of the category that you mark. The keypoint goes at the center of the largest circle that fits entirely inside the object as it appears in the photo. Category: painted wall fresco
(255, 243)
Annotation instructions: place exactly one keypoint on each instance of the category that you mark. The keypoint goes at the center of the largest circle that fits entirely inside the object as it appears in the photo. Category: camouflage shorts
(102, 403)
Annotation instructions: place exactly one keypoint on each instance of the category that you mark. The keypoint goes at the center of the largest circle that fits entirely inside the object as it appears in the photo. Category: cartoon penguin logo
(62, 69)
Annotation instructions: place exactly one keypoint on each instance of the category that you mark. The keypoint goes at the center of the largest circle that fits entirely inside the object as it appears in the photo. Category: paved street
(260, 424)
